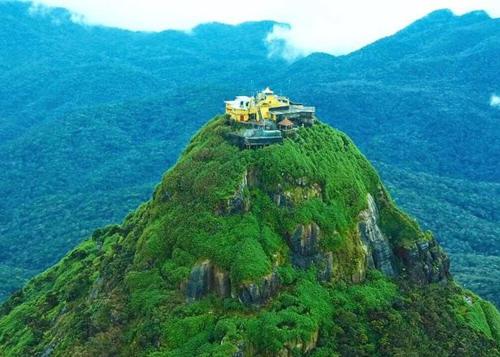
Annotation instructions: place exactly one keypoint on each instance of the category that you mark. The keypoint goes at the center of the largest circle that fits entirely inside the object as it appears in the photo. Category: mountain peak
(438, 15)
(294, 248)
(447, 14)
(445, 17)
(476, 16)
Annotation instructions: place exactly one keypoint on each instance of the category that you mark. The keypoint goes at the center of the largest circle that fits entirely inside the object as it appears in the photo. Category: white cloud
(334, 26)
(495, 101)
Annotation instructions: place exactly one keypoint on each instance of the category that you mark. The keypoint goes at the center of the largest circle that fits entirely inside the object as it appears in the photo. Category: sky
(332, 26)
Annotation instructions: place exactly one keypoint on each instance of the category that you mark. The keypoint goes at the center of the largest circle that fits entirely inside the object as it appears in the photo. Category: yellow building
(244, 109)
(241, 109)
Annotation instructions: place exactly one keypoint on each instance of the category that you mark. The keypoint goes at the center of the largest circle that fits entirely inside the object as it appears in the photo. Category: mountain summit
(291, 249)
(91, 116)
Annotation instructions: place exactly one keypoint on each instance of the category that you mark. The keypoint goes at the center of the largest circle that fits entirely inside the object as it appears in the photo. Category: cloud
(279, 43)
(333, 26)
(495, 101)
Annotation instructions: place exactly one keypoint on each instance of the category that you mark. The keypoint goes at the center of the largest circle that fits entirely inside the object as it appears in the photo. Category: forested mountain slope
(418, 102)
(289, 250)
(91, 116)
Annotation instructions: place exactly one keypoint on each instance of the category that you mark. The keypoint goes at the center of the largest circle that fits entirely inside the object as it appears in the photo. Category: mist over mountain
(433, 81)
(92, 116)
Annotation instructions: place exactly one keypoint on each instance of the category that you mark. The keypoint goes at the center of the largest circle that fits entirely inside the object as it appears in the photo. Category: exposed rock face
(96, 288)
(48, 351)
(282, 199)
(221, 283)
(425, 262)
(379, 253)
(238, 203)
(199, 282)
(206, 278)
(258, 293)
(326, 267)
(359, 275)
(304, 243)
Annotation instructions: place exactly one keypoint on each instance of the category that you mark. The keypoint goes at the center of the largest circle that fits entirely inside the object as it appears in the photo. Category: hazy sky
(331, 26)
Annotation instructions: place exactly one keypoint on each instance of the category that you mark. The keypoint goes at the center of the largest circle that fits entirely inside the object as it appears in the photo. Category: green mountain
(96, 116)
(418, 104)
(410, 98)
(91, 116)
(293, 249)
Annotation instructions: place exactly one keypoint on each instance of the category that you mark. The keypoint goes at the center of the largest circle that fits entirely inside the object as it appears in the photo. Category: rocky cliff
(293, 249)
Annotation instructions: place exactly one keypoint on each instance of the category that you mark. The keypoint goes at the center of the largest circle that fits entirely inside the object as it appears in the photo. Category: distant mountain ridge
(415, 61)
(91, 116)
(294, 249)
(66, 60)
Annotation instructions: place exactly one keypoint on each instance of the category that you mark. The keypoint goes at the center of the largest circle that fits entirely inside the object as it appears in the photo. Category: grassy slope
(119, 291)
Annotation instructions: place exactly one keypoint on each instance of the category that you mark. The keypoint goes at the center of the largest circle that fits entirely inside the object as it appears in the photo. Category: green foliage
(146, 291)
(464, 218)
(90, 123)
(492, 317)
(399, 226)
(250, 261)
(477, 319)
(122, 292)
(478, 314)
(379, 294)
(80, 120)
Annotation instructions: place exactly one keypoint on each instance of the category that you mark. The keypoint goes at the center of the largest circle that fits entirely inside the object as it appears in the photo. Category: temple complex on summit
(268, 117)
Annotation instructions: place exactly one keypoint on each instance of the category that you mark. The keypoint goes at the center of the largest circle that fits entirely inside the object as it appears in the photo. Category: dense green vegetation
(465, 217)
(123, 291)
(91, 117)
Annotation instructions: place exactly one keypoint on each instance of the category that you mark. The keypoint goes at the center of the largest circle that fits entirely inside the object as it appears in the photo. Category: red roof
(285, 122)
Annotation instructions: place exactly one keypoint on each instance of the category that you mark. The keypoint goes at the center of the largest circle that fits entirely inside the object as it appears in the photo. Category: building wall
(237, 114)
(262, 107)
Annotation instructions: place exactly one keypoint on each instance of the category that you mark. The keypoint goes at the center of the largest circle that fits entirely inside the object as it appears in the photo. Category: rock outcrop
(378, 250)
(258, 293)
(221, 283)
(206, 278)
(304, 243)
(282, 199)
(200, 280)
(425, 262)
(238, 203)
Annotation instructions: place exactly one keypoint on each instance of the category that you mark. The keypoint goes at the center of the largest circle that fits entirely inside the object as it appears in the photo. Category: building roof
(293, 109)
(285, 122)
(240, 102)
(267, 91)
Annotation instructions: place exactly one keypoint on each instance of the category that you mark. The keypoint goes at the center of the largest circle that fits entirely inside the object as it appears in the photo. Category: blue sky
(332, 26)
